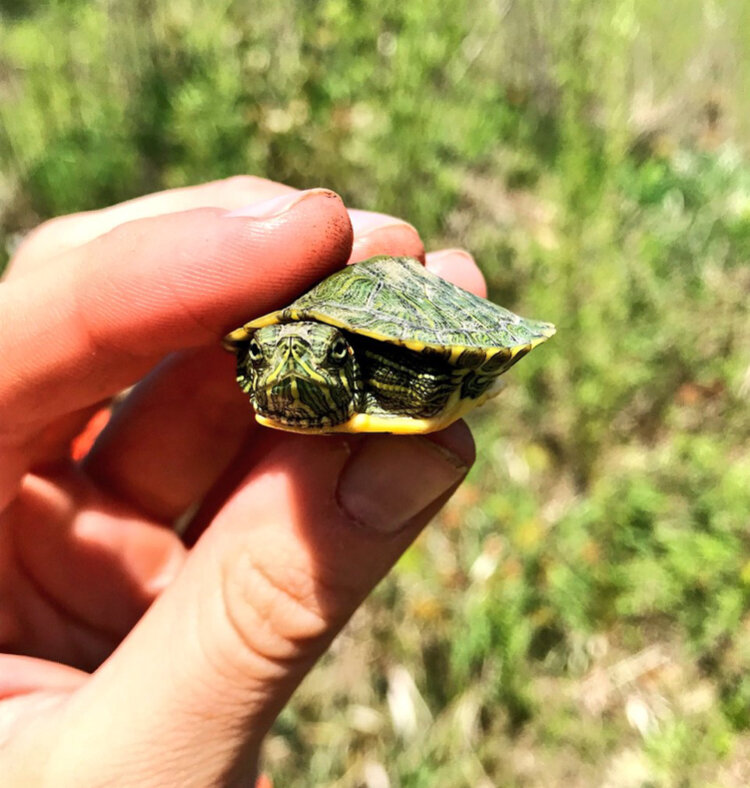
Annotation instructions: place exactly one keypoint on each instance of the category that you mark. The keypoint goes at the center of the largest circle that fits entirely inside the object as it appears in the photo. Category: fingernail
(167, 567)
(450, 254)
(391, 479)
(459, 267)
(378, 233)
(277, 205)
(364, 222)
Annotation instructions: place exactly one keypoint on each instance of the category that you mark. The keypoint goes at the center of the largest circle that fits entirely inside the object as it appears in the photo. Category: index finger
(45, 243)
(114, 307)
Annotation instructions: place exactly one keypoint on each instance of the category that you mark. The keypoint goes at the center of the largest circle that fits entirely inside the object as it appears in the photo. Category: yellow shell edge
(242, 333)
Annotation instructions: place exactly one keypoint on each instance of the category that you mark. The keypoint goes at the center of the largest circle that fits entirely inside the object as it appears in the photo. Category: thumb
(291, 553)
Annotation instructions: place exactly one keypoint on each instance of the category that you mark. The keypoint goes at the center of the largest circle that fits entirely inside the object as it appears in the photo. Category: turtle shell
(397, 300)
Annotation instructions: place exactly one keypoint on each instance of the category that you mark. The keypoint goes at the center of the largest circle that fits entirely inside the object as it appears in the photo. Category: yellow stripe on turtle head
(273, 375)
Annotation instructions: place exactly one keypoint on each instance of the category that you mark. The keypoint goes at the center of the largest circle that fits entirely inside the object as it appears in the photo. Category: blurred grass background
(580, 613)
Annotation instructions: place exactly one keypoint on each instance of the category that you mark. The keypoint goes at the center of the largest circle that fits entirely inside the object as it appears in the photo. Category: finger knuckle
(275, 610)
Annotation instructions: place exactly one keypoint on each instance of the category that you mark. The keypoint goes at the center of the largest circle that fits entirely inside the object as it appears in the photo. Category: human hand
(194, 650)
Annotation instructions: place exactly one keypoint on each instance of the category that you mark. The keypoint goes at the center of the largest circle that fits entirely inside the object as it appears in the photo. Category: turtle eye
(254, 352)
(339, 350)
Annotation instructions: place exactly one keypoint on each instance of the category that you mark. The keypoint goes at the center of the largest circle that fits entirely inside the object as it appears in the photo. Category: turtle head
(301, 375)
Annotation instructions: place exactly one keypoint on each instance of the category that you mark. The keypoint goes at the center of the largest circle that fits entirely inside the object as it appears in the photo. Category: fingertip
(365, 221)
(458, 441)
(317, 215)
(117, 305)
(458, 266)
(375, 493)
(379, 233)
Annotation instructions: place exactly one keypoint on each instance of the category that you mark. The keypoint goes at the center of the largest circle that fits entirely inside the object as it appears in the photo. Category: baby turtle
(380, 346)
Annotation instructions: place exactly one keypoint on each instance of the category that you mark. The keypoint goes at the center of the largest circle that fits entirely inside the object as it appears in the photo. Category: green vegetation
(581, 612)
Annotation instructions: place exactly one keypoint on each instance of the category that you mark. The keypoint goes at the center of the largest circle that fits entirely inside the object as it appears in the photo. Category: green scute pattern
(398, 299)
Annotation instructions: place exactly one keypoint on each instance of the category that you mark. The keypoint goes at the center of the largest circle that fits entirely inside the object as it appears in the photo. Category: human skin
(134, 655)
